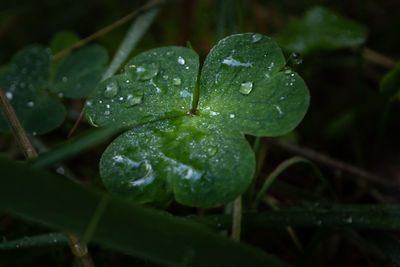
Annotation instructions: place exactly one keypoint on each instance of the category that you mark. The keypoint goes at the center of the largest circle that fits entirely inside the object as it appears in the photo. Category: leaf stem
(78, 247)
(109, 28)
(237, 219)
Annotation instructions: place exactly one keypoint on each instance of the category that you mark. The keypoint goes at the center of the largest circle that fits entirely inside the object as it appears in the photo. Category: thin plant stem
(78, 248)
(334, 163)
(271, 202)
(237, 219)
(377, 58)
(16, 126)
(109, 28)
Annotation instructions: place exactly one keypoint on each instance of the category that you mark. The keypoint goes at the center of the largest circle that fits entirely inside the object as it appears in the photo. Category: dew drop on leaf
(288, 71)
(211, 151)
(181, 60)
(111, 89)
(256, 37)
(9, 95)
(176, 81)
(134, 100)
(107, 112)
(245, 88)
(144, 72)
(30, 104)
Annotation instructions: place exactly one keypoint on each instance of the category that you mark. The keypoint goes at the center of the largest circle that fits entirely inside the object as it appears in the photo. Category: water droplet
(176, 81)
(278, 108)
(245, 88)
(60, 95)
(107, 106)
(146, 71)
(256, 37)
(111, 89)
(34, 133)
(282, 98)
(169, 53)
(270, 66)
(127, 81)
(60, 170)
(181, 60)
(64, 79)
(89, 103)
(30, 104)
(233, 62)
(295, 59)
(348, 219)
(267, 75)
(9, 95)
(121, 98)
(187, 67)
(231, 116)
(107, 112)
(211, 151)
(134, 100)
(165, 77)
(288, 71)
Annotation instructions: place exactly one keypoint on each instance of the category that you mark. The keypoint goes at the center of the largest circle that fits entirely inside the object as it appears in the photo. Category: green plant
(188, 140)
(204, 136)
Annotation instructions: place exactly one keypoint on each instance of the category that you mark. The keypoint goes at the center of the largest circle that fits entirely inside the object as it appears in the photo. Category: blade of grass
(123, 226)
(284, 166)
(52, 239)
(132, 37)
(75, 145)
(109, 28)
(378, 217)
(30, 153)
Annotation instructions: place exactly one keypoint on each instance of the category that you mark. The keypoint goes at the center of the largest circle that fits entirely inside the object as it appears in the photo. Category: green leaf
(24, 81)
(80, 72)
(192, 144)
(245, 85)
(154, 86)
(123, 226)
(59, 42)
(321, 29)
(390, 83)
(186, 157)
(62, 40)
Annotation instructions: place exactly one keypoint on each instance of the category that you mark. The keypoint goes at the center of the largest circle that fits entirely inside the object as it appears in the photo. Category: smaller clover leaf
(80, 72)
(156, 84)
(24, 81)
(321, 29)
(190, 145)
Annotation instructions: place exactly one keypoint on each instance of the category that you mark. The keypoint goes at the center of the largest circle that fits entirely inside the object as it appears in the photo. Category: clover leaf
(80, 72)
(321, 29)
(24, 81)
(187, 137)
